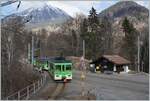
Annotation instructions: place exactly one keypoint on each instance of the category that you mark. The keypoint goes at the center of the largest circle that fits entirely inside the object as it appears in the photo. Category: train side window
(47, 64)
(51, 66)
(58, 67)
(68, 67)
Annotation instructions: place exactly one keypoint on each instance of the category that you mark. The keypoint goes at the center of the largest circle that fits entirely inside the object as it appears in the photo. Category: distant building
(114, 63)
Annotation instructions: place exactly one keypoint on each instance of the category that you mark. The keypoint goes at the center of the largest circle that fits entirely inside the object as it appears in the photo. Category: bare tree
(14, 53)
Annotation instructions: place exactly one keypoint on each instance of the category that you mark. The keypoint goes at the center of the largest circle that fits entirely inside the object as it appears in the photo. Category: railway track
(59, 89)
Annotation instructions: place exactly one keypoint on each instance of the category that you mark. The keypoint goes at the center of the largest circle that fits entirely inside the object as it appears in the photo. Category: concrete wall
(125, 67)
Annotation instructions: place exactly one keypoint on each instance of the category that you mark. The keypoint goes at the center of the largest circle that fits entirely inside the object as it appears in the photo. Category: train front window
(63, 68)
(58, 67)
(68, 67)
(51, 66)
(47, 64)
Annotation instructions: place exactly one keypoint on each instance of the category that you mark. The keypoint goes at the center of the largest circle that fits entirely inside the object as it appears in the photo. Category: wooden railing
(26, 92)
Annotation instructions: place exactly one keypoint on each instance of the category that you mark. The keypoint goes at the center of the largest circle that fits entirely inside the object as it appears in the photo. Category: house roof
(116, 59)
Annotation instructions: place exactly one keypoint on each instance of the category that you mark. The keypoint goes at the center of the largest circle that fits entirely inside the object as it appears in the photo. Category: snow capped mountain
(44, 15)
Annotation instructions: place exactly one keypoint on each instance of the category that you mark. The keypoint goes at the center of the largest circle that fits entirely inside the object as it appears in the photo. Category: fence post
(27, 93)
(38, 85)
(45, 78)
(7, 98)
(19, 95)
(41, 81)
(34, 87)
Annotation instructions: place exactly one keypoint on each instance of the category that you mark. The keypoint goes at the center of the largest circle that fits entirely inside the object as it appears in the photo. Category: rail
(26, 92)
(60, 87)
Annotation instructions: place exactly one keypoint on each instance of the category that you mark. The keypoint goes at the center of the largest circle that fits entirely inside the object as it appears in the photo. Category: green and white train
(59, 68)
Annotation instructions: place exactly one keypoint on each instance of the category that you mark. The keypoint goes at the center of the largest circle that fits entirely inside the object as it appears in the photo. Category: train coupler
(65, 80)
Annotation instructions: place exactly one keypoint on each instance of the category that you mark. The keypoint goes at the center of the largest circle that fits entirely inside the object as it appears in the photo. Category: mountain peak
(42, 16)
(127, 3)
(45, 14)
(123, 8)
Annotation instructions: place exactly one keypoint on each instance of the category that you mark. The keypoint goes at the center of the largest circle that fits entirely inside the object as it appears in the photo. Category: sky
(70, 7)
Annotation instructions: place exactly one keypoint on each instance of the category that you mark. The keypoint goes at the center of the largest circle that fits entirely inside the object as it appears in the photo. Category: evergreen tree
(89, 33)
(93, 20)
(74, 42)
(106, 36)
(84, 28)
(145, 51)
(130, 40)
(97, 36)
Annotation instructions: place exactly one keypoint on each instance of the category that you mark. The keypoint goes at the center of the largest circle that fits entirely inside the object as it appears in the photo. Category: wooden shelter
(113, 63)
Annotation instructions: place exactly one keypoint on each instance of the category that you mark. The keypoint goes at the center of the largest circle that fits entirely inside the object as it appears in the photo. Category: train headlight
(91, 65)
(57, 75)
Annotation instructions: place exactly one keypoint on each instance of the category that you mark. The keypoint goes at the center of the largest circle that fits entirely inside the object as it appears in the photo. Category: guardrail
(27, 91)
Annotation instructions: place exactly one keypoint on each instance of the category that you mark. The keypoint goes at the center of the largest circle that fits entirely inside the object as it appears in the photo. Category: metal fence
(26, 92)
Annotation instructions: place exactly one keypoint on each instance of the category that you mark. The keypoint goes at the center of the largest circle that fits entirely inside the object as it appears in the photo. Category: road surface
(110, 87)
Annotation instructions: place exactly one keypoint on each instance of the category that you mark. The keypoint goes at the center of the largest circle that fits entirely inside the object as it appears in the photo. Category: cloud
(104, 5)
(71, 7)
(71, 10)
(143, 3)
(28, 4)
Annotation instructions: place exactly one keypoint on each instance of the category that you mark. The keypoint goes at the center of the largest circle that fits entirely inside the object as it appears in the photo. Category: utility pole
(32, 50)
(29, 56)
(83, 70)
(138, 53)
(142, 66)
(40, 48)
(83, 48)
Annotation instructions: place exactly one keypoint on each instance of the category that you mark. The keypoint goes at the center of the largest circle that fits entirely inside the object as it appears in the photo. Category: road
(103, 86)
(110, 87)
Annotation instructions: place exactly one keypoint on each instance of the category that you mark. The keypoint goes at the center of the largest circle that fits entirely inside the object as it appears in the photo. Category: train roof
(44, 59)
(60, 61)
(51, 58)
(55, 59)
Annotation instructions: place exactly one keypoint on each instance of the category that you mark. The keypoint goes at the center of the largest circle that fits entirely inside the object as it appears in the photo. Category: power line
(8, 3)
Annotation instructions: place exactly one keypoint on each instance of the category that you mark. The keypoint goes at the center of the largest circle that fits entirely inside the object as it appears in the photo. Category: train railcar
(41, 63)
(44, 64)
(58, 67)
(61, 69)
